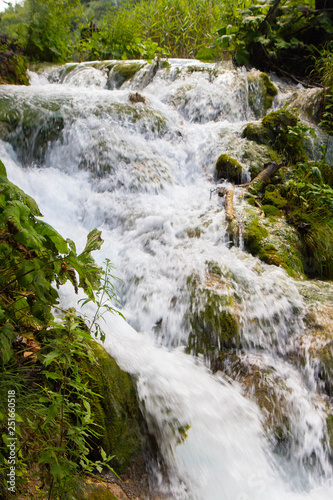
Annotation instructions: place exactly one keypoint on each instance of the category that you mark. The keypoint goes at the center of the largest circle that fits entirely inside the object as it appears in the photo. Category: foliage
(273, 34)
(311, 207)
(41, 357)
(303, 193)
(181, 28)
(324, 69)
(283, 131)
(48, 30)
(103, 297)
(13, 67)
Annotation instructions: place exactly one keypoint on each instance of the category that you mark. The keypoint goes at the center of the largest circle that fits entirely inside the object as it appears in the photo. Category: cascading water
(140, 168)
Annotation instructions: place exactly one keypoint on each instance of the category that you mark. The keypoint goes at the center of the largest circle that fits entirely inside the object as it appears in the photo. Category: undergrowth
(40, 355)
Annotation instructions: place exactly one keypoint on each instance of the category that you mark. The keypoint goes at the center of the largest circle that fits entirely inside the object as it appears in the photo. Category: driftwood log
(229, 207)
(270, 169)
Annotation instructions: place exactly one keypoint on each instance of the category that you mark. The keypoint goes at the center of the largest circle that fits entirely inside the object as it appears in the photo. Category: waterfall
(135, 156)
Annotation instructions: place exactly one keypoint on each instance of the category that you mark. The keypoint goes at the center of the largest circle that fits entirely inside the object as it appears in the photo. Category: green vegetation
(273, 240)
(281, 130)
(65, 414)
(228, 168)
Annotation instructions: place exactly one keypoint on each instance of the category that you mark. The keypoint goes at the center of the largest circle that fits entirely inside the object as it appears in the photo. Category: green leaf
(22, 224)
(3, 169)
(222, 31)
(51, 356)
(58, 471)
(94, 241)
(43, 399)
(59, 242)
(48, 457)
(242, 56)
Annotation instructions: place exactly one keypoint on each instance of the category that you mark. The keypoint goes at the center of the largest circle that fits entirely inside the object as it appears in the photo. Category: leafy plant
(41, 356)
(324, 69)
(48, 30)
(104, 296)
(65, 419)
(273, 34)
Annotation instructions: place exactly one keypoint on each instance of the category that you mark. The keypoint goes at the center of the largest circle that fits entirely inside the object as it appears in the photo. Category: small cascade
(217, 341)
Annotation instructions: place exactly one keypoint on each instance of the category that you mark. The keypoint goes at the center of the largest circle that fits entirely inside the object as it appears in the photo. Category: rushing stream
(93, 155)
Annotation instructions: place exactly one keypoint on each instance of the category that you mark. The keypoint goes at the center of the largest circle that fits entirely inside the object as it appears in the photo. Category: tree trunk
(268, 21)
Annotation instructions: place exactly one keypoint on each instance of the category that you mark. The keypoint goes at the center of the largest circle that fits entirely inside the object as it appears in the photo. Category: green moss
(281, 130)
(149, 120)
(122, 72)
(165, 64)
(329, 423)
(228, 168)
(274, 198)
(212, 323)
(92, 492)
(116, 412)
(261, 92)
(274, 242)
(270, 210)
(325, 355)
(251, 200)
(256, 155)
(253, 235)
(258, 133)
(213, 267)
(271, 90)
(29, 127)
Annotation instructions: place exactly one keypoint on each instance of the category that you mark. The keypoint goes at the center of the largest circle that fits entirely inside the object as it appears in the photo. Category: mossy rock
(122, 72)
(318, 340)
(267, 389)
(329, 423)
(213, 326)
(269, 210)
(280, 130)
(261, 93)
(92, 491)
(30, 126)
(253, 235)
(228, 168)
(194, 232)
(256, 155)
(274, 198)
(98, 493)
(273, 241)
(258, 133)
(116, 412)
(213, 267)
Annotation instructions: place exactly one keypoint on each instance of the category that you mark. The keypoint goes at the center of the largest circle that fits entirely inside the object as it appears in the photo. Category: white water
(156, 189)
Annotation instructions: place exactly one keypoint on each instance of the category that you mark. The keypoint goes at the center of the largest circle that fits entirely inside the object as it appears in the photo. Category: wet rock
(261, 92)
(135, 98)
(317, 344)
(228, 168)
(122, 72)
(211, 319)
(273, 240)
(274, 131)
(117, 412)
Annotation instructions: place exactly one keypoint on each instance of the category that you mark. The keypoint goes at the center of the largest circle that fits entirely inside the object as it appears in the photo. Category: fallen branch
(270, 169)
(229, 208)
